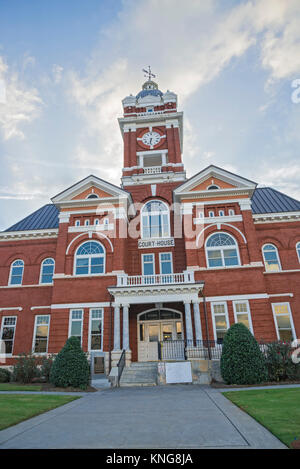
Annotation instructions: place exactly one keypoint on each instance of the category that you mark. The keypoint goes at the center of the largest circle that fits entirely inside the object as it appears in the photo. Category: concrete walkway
(175, 416)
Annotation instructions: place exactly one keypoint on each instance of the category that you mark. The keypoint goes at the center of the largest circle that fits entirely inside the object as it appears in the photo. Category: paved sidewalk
(175, 416)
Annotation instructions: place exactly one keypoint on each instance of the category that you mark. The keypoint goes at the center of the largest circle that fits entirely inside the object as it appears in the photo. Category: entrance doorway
(159, 330)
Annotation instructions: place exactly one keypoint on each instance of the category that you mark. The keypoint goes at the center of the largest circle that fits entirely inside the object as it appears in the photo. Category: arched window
(47, 270)
(212, 187)
(16, 272)
(221, 250)
(90, 259)
(271, 258)
(92, 196)
(155, 220)
(298, 250)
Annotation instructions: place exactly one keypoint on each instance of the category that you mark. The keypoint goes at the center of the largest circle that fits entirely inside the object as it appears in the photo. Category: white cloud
(57, 71)
(21, 104)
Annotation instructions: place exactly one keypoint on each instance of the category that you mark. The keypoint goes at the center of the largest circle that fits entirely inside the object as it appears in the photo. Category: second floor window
(166, 266)
(298, 250)
(271, 258)
(90, 259)
(155, 221)
(47, 271)
(148, 264)
(222, 251)
(16, 272)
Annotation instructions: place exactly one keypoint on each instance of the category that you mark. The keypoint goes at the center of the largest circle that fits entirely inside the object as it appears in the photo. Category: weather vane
(148, 73)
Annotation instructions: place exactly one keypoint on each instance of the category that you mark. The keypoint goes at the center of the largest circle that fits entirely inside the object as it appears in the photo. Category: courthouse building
(161, 259)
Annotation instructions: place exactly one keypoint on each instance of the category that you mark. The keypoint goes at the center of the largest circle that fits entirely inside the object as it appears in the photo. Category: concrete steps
(139, 374)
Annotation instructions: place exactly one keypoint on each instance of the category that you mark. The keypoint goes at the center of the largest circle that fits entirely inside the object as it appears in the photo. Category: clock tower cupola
(152, 134)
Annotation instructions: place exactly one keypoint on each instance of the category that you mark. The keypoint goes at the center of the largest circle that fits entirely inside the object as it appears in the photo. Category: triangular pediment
(92, 190)
(213, 181)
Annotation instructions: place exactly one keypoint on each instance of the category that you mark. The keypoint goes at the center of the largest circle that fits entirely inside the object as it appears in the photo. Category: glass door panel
(166, 332)
(153, 332)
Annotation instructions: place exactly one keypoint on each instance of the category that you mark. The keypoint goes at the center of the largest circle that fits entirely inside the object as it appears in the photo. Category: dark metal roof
(43, 218)
(268, 200)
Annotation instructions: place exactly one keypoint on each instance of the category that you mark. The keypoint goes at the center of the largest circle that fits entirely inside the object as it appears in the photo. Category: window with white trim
(220, 321)
(166, 264)
(41, 334)
(75, 326)
(47, 270)
(8, 329)
(90, 259)
(155, 220)
(87, 222)
(221, 250)
(211, 213)
(77, 223)
(16, 272)
(96, 221)
(231, 212)
(148, 264)
(298, 250)
(96, 329)
(271, 258)
(221, 213)
(283, 321)
(242, 314)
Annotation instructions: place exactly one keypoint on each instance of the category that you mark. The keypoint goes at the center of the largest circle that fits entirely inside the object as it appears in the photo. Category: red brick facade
(226, 209)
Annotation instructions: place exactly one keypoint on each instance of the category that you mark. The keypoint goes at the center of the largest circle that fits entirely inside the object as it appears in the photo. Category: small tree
(70, 366)
(26, 368)
(242, 362)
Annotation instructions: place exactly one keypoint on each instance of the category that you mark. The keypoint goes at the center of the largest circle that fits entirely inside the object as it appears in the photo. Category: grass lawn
(19, 387)
(15, 408)
(276, 409)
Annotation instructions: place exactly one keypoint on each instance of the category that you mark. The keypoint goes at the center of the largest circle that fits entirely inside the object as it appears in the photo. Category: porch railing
(189, 349)
(157, 279)
(121, 365)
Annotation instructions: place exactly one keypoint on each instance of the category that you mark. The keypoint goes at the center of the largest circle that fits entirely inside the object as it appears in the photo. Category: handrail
(120, 365)
(156, 279)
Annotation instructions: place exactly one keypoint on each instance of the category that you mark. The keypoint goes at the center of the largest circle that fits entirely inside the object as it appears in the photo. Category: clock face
(151, 138)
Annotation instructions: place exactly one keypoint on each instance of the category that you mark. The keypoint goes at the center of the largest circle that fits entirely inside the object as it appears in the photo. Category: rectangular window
(96, 329)
(242, 313)
(148, 264)
(41, 334)
(166, 264)
(8, 330)
(220, 321)
(75, 328)
(283, 321)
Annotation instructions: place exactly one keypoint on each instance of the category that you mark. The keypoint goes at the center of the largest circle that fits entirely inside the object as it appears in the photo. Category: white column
(117, 328)
(197, 320)
(188, 321)
(126, 327)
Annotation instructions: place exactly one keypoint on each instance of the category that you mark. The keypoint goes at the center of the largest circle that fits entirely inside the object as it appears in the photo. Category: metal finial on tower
(148, 73)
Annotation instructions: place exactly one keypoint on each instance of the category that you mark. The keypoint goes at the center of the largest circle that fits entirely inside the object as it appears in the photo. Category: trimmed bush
(26, 368)
(242, 362)
(5, 375)
(70, 366)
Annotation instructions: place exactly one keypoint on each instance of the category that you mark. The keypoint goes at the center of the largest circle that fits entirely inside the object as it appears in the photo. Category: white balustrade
(157, 279)
(152, 170)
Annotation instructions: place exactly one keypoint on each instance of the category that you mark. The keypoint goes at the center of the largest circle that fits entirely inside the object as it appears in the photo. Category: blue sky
(66, 65)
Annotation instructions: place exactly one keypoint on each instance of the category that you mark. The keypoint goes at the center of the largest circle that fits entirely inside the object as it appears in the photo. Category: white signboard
(155, 243)
(179, 372)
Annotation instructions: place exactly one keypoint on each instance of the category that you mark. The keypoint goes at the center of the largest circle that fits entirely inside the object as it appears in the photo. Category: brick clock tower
(152, 130)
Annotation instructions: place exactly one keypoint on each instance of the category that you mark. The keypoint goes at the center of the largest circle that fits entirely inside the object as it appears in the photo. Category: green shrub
(70, 366)
(242, 362)
(279, 362)
(5, 375)
(46, 365)
(26, 368)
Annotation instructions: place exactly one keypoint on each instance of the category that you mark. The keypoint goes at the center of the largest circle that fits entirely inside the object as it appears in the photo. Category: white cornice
(209, 220)
(153, 178)
(29, 234)
(276, 217)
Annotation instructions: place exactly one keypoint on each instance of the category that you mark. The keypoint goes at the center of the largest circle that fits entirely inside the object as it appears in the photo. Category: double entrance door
(160, 340)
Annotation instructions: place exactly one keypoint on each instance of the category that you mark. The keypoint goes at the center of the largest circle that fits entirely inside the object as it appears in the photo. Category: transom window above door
(155, 220)
(90, 259)
(222, 251)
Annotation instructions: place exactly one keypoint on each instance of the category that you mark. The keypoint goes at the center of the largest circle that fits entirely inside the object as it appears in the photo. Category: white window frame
(221, 213)
(220, 248)
(160, 262)
(211, 214)
(290, 316)
(41, 271)
(34, 333)
(87, 222)
(216, 303)
(167, 211)
(231, 212)
(246, 302)
(71, 320)
(10, 273)
(278, 258)
(153, 257)
(13, 342)
(77, 222)
(96, 221)
(90, 329)
(298, 250)
(89, 256)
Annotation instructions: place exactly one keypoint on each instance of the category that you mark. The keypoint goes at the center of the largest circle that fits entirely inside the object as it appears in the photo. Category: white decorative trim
(215, 224)
(276, 217)
(91, 232)
(94, 228)
(282, 271)
(12, 308)
(256, 296)
(273, 295)
(39, 307)
(80, 305)
(29, 234)
(28, 286)
(219, 219)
